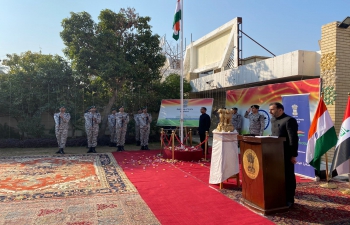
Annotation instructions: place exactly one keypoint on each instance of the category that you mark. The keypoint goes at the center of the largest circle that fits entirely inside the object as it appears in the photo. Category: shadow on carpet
(313, 205)
(69, 189)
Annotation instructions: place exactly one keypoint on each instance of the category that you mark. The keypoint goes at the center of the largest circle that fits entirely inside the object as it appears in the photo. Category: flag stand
(328, 185)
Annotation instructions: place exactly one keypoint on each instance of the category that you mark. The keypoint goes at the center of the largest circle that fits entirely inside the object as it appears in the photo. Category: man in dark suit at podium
(286, 126)
(204, 125)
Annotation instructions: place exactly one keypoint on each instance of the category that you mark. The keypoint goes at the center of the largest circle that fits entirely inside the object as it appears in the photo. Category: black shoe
(146, 147)
(94, 150)
(122, 148)
(143, 147)
(60, 151)
(90, 150)
(119, 149)
(138, 143)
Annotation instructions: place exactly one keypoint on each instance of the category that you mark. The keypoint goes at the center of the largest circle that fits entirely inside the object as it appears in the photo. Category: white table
(224, 157)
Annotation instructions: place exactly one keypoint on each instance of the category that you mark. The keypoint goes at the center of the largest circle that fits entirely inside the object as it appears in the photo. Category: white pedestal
(224, 157)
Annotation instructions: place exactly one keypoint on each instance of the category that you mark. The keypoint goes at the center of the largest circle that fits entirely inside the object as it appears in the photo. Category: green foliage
(8, 132)
(112, 55)
(170, 88)
(36, 83)
(32, 126)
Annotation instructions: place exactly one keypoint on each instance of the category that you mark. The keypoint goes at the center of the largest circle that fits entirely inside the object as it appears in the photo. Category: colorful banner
(297, 106)
(264, 95)
(169, 114)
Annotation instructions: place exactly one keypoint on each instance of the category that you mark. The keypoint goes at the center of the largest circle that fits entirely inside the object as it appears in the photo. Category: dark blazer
(286, 126)
(204, 123)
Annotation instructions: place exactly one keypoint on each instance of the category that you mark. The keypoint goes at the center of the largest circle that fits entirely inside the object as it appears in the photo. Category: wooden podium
(263, 178)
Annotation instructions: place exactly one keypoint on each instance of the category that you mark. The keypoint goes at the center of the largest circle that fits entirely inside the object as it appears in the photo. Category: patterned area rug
(313, 205)
(69, 189)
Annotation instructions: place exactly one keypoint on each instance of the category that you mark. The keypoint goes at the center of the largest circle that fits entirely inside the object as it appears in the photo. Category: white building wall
(295, 63)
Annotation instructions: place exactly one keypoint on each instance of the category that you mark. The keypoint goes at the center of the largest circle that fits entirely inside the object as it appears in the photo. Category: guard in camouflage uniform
(145, 126)
(257, 121)
(137, 127)
(236, 120)
(111, 125)
(92, 121)
(121, 127)
(61, 128)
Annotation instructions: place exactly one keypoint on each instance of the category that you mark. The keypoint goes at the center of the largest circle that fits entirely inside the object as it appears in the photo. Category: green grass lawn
(69, 150)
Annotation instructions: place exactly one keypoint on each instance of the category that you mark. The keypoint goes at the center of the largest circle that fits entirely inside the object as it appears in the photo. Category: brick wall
(336, 41)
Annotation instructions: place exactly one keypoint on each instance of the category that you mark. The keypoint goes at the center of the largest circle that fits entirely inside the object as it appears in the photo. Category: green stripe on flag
(323, 144)
(177, 17)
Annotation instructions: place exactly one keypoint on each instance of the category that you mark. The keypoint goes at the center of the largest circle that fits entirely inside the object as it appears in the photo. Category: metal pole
(182, 73)
(173, 144)
(206, 145)
(161, 137)
(327, 175)
(190, 137)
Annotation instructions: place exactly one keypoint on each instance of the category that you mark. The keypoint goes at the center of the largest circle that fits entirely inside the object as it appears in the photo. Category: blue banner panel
(298, 107)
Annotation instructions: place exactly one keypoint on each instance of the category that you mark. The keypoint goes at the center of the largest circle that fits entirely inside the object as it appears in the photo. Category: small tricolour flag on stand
(177, 21)
(322, 136)
(341, 159)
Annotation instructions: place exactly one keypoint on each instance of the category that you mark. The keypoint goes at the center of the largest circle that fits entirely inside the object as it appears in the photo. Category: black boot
(143, 147)
(119, 149)
(138, 143)
(94, 150)
(122, 148)
(90, 150)
(146, 147)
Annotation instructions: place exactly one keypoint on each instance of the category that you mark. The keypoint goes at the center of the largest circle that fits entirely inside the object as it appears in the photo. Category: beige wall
(212, 51)
(335, 70)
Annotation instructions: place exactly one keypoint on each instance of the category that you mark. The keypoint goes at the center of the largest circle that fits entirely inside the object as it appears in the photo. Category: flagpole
(182, 75)
(327, 185)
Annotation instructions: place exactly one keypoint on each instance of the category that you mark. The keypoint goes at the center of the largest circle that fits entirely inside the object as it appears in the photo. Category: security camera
(209, 81)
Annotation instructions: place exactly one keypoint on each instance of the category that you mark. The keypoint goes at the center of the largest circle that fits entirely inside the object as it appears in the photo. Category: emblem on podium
(251, 164)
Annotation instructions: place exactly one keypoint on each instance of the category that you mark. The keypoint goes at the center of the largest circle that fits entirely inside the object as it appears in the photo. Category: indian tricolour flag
(341, 159)
(322, 136)
(177, 20)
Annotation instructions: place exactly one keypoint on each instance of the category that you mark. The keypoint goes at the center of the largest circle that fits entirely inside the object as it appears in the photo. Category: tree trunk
(105, 113)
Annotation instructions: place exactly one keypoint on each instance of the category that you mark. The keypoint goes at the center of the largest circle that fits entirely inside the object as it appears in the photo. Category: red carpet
(180, 193)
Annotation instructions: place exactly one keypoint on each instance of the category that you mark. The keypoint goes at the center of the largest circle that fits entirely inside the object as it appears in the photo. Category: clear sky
(280, 25)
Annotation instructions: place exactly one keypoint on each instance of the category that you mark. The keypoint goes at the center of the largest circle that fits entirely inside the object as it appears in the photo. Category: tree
(3, 69)
(170, 88)
(116, 52)
(35, 83)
